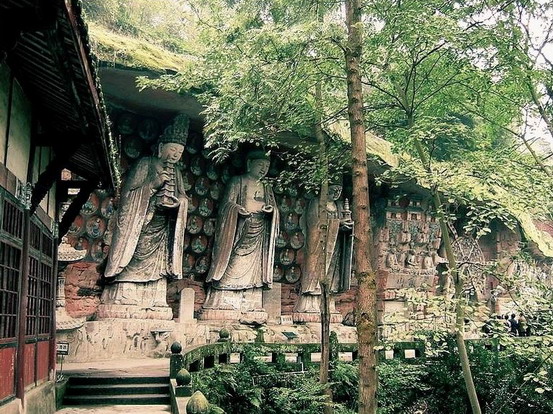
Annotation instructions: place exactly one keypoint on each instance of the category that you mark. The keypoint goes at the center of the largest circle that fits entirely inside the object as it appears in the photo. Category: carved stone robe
(339, 249)
(147, 241)
(244, 250)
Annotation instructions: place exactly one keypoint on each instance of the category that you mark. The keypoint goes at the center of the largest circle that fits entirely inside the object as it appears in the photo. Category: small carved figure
(338, 255)
(149, 232)
(411, 261)
(244, 249)
(391, 258)
(428, 261)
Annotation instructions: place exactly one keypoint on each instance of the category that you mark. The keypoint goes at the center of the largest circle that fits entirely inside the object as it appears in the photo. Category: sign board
(62, 348)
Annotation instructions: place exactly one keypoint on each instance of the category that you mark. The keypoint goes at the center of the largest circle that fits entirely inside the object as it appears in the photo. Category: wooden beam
(75, 207)
(52, 173)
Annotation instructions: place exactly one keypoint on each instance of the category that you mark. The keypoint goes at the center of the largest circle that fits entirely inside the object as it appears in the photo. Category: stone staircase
(117, 391)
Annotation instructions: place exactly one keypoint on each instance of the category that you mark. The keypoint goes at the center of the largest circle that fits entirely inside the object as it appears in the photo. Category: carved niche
(408, 245)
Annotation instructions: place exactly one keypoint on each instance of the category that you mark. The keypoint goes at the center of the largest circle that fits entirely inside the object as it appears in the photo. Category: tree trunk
(363, 242)
(458, 283)
(321, 265)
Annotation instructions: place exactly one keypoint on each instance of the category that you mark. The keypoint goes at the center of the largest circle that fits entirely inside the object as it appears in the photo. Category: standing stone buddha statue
(243, 254)
(147, 243)
(337, 260)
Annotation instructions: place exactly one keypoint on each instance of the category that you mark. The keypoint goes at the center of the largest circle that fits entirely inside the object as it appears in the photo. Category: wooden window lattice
(41, 279)
(47, 245)
(36, 236)
(12, 219)
(10, 260)
(39, 308)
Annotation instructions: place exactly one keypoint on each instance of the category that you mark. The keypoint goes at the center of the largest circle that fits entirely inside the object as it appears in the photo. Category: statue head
(170, 152)
(173, 139)
(258, 164)
(334, 191)
(335, 188)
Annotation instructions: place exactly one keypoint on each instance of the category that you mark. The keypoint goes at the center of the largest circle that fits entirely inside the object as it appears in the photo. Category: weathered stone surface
(334, 262)
(245, 242)
(173, 294)
(108, 311)
(113, 339)
(82, 289)
(186, 305)
(272, 302)
(147, 242)
(345, 302)
(290, 294)
(197, 404)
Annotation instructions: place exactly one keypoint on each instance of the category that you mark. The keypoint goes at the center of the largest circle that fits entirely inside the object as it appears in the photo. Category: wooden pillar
(52, 353)
(23, 300)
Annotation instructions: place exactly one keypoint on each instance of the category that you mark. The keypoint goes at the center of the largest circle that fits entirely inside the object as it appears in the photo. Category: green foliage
(165, 23)
(499, 377)
(432, 73)
(254, 387)
(344, 380)
(510, 381)
(400, 385)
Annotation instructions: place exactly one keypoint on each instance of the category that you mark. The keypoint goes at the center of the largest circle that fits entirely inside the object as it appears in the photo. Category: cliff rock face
(82, 289)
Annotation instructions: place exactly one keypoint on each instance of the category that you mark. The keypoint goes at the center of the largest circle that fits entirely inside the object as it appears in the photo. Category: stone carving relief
(147, 243)
(337, 261)
(204, 182)
(408, 246)
(243, 253)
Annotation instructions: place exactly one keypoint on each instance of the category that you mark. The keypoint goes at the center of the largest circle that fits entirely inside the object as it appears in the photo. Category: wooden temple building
(51, 117)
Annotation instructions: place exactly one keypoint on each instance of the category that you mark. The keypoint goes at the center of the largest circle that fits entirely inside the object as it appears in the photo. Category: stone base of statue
(256, 317)
(244, 306)
(135, 300)
(312, 317)
(308, 310)
(109, 311)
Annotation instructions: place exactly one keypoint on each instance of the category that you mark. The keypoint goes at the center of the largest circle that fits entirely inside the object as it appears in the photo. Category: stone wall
(38, 400)
(82, 288)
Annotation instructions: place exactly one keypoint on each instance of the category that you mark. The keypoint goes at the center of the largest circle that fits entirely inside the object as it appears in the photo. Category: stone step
(141, 399)
(116, 409)
(117, 389)
(90, 380)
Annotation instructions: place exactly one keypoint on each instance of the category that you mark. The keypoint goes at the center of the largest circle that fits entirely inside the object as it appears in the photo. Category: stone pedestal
(248, 318)
(130, 338)
(110, 311)
(312, 317)
(312, 313)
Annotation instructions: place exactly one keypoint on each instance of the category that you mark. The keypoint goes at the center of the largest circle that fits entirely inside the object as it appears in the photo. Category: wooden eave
(56, 70)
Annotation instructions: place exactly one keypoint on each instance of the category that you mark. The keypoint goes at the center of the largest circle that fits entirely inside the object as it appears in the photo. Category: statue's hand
(348, 224)
(267, 208)
(176, 201)
(162, 178)
(243, 212)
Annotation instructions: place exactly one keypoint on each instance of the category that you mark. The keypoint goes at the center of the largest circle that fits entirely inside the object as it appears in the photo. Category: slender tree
(363, 242)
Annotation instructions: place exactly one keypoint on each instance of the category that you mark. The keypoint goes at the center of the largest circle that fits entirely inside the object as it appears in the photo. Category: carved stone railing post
(224, 335)
(184, 381)
(176, 362)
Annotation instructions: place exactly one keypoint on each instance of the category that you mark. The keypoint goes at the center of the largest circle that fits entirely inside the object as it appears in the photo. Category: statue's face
(171, 152)
(258, 168)
(334, 192)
